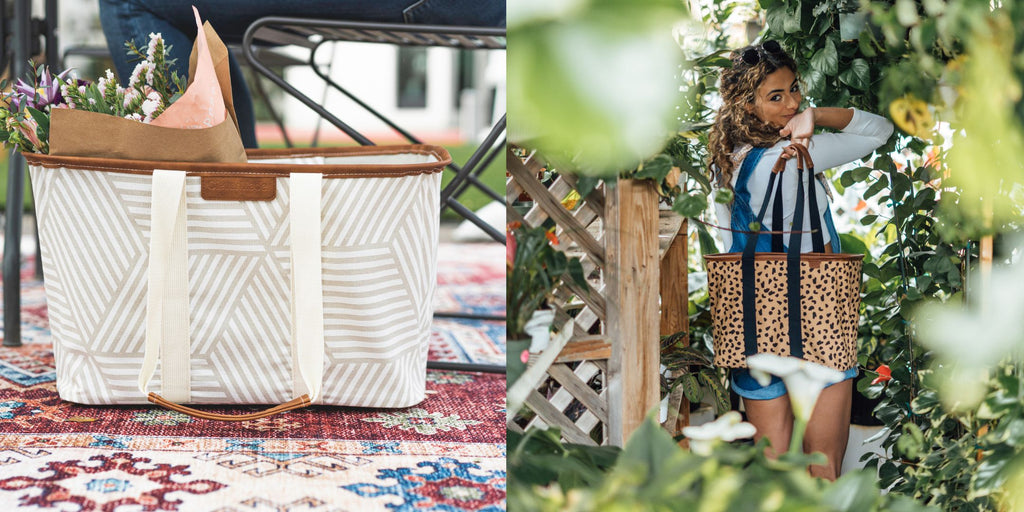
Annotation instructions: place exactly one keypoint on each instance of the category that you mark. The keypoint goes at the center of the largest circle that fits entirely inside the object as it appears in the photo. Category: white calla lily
(728, 427)
(804, 380)
(539, 329)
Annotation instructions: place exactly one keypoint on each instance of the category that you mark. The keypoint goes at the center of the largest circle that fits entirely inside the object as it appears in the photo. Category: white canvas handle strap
(307, 297)
(167, 309)
(167, 320)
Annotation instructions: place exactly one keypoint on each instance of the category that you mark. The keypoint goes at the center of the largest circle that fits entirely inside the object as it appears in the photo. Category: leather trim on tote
(253, 169)
(213, 188)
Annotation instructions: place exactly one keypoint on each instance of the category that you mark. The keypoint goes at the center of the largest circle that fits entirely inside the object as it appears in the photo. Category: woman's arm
(801, 127)
(861, 134)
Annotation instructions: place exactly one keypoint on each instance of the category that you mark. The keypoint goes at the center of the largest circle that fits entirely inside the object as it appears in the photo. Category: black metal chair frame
(24, 30)
(313, 34)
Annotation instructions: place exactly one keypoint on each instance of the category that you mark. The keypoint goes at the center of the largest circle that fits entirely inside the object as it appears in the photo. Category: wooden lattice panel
(604, 378)
(572, 396)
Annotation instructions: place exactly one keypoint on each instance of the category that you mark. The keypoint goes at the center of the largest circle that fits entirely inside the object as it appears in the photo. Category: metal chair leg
(12, 251)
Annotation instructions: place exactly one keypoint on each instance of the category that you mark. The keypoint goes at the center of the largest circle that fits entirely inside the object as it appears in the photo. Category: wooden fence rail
(604, 378)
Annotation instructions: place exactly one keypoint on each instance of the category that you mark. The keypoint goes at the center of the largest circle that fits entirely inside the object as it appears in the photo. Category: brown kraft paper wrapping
(93, 134)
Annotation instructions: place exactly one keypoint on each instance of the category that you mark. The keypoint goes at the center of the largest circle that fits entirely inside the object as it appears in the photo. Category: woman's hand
(799, 129)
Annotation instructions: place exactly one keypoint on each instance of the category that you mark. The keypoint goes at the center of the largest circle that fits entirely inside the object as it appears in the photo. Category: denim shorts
(746, 386)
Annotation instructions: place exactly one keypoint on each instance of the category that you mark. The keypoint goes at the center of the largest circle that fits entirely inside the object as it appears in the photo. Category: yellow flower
(912, 116)
(570, 200)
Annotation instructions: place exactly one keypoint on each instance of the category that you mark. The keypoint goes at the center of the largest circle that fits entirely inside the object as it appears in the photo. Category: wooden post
(632, 276)
(675, 317)
(675, 300)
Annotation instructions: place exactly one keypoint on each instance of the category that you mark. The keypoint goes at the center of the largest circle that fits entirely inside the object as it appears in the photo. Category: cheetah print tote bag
(786, 303)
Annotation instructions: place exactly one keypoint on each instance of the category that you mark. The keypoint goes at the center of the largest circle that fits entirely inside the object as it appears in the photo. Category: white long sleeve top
(864, 133)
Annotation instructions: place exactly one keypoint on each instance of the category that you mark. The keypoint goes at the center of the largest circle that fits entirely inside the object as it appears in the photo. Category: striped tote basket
(303, 274)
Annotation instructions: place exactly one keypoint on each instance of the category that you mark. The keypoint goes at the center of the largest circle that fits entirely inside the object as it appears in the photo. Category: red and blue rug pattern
(471, 279)
(444, 454)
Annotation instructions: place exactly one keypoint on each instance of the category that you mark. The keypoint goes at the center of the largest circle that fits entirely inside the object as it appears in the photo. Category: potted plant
(535, 268)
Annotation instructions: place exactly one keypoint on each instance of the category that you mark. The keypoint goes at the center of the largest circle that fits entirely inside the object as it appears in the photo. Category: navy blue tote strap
(747, 270)
(817, 234)
(804, 165)
(777, 221)
(796, 345)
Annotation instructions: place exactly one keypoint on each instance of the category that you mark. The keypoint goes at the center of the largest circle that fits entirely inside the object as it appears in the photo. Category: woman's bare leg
(829, 428)
(774, 420)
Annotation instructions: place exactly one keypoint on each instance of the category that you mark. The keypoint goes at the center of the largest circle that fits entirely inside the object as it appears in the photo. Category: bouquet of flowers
(155, 117)
(25, 111)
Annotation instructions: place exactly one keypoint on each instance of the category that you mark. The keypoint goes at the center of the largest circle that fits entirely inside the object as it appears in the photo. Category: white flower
(149, 106)
(154, 38)
(804, 380)
(968, 342)
(129, 96)
(539, 329)
(140, 68)
(728, 427)
(133, 117)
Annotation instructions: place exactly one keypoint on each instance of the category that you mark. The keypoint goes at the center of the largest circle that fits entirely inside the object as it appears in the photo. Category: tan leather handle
(803, 159)
(808, 163)
(290, 405)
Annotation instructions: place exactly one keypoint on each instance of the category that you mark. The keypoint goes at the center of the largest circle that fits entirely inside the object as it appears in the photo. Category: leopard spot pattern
(829, 307)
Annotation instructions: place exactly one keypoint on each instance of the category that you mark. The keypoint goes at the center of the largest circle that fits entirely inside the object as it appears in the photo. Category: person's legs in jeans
(130, 20)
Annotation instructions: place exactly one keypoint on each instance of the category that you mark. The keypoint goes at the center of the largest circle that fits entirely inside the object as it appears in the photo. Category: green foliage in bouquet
(25, 111)
(152, 86)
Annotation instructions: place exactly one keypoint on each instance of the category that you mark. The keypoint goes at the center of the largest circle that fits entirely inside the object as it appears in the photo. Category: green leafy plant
(654, 474)
(537, 268)
(591, 82)
(690, 366)
(919, 57)
(540, 458)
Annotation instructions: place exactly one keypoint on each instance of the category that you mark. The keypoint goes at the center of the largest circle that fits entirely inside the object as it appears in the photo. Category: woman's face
(778, 98)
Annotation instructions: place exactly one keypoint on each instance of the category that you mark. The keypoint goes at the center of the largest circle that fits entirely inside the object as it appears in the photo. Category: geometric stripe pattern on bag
(379, 241)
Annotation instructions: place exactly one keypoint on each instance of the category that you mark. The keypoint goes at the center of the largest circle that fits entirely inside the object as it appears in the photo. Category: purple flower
(47, 90)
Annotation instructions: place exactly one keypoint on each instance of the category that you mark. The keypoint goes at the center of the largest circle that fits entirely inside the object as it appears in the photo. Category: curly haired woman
(759, 118)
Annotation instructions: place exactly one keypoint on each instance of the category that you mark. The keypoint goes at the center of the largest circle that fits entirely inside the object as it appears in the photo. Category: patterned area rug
(445, 454)
(471, 279)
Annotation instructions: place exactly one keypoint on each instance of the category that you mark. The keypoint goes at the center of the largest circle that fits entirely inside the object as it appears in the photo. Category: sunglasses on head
(767, 49)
